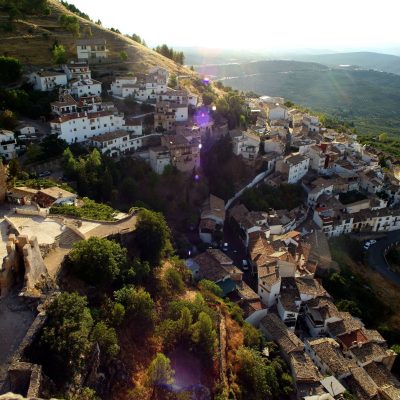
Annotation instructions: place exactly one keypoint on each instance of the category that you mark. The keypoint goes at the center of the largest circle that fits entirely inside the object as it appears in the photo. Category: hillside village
(272, 266)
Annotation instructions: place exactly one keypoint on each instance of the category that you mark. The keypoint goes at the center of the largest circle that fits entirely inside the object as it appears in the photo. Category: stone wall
(23, 258)
(25, 378)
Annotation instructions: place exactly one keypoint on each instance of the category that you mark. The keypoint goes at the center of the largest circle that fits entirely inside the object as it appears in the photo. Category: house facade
(47, 81)
(92, 49)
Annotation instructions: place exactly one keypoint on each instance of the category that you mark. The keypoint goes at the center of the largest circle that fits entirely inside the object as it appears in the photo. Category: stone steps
(67, 238)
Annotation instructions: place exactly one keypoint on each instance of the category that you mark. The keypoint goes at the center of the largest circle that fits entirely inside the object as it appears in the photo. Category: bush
(138, 304)
(89, 210)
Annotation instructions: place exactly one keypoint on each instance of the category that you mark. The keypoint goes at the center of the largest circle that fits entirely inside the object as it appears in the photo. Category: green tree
(253, 338)
(152, 236)
(53, 146)
(84, 393)
(159, 373)
(349, 306)
(8, 120)
(98, 261)
(173, 282)
(10, 69)
(204, 335)
(138, 304)
(106, 338)
(70, 23)
(383, 137)
(123, 55)
(210, 286)
(65, 338)
(173, 81)
(59, 54)
(252, 374)
(14, 168)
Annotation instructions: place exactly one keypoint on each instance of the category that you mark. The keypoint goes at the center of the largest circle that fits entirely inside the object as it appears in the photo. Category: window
(93, 128)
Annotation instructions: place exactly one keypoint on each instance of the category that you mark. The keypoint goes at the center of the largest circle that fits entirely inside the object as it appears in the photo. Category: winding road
(375, 256)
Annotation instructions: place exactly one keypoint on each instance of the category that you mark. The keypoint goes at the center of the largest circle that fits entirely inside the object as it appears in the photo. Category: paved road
(376, 256)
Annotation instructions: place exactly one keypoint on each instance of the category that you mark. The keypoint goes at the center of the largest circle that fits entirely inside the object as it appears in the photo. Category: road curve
(375, 256)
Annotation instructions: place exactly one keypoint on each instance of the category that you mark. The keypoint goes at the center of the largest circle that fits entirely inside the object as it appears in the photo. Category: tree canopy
(152, 236)
(98, 261)
(177, 56)
(65, 338)
(10, 69)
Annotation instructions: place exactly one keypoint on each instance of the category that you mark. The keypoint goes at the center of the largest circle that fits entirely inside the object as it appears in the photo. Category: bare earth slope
(33, 37)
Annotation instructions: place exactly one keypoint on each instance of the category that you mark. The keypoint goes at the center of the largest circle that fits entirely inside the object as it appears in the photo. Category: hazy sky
(253, 24)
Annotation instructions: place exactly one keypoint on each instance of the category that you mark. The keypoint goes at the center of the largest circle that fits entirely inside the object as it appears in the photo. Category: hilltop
(33, 37)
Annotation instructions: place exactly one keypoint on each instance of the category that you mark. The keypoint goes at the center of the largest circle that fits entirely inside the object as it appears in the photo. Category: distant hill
(32, 39)
(371, 99)
(368, 60)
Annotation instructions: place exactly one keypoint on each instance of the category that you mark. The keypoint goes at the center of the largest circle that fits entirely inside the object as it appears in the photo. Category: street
(375, 256)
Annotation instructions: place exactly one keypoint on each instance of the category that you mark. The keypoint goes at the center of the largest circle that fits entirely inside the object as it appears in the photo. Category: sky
(254, 24)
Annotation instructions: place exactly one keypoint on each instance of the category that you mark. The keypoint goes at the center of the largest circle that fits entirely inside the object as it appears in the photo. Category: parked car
(225, 247)
(44, 174)
(366, 245)
(245, 265)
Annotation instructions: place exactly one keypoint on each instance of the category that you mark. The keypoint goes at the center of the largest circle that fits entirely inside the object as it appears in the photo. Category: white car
(245, 265)
(225, 247)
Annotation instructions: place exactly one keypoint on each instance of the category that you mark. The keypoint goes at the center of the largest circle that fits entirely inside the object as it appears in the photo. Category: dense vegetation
(10, 69)
(88, 210)
(265, 197)
(27, 102)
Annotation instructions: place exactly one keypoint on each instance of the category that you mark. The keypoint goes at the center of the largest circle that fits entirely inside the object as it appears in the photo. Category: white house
(275, 145)
(134, 127)
(65, 105)
(269, 284)
(159, 158)
(247, 145)
(26, 129)
(167, 114)
(311, 123)
(78, 127)
(8, 144)
(277, 112)
(85, 87)
(121, 83)
(92, 49)
(294, 167)
(114, 143)
(46, 81)
(77, 70)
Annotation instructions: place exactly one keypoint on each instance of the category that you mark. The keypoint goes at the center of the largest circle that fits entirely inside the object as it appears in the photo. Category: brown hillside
(32, 39)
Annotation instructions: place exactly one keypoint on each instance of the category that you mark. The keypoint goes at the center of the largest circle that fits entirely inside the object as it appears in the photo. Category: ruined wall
(23, 258)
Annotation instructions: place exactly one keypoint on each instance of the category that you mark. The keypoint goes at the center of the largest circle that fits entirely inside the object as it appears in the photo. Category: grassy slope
(32, 40)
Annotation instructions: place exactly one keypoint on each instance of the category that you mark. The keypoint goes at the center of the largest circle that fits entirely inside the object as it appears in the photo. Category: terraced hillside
(32, 38)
